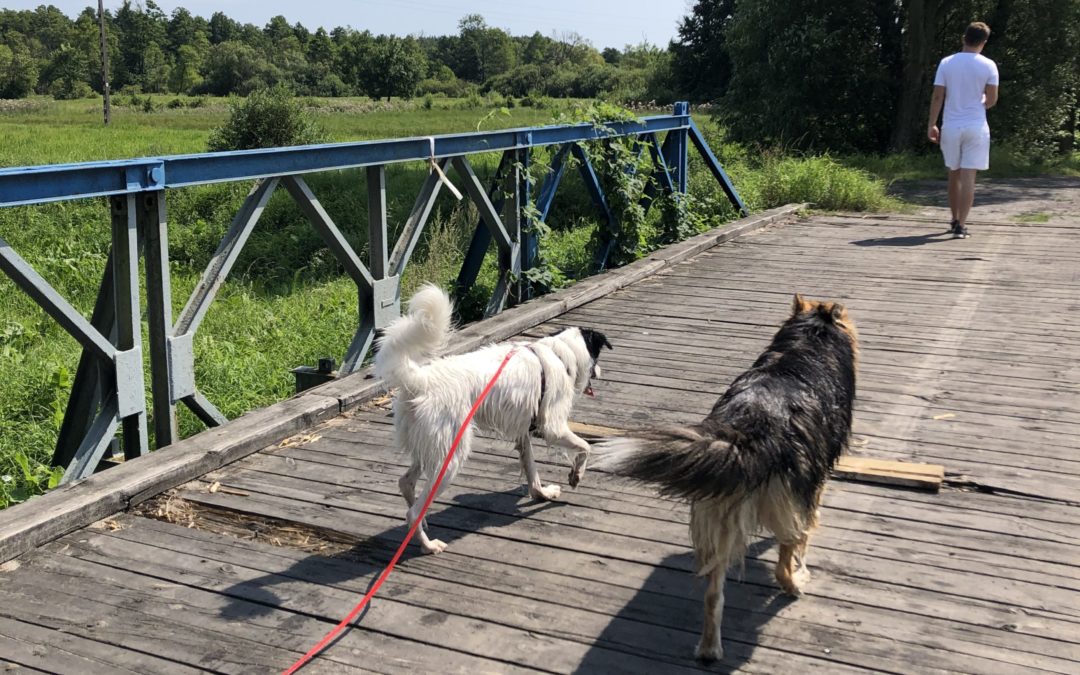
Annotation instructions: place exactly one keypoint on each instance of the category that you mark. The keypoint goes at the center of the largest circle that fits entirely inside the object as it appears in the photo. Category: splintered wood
(862, 469)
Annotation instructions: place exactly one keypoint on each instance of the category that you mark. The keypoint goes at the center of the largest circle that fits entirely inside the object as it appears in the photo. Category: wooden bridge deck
(970, 353)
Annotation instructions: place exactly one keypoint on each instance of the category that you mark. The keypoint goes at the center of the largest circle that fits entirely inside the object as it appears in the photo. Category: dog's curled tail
(683, 462)
(414, 339)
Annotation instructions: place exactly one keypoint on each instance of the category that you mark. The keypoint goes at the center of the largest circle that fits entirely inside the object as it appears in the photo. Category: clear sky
(606, 23)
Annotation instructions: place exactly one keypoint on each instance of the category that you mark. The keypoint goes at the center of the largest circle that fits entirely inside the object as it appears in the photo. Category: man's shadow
(670, 603)
(907, 240)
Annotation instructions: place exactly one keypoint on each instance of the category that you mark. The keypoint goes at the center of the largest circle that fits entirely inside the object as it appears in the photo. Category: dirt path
(1016, 199)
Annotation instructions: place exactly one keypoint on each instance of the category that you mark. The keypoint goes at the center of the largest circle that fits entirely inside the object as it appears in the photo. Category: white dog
(535, 392)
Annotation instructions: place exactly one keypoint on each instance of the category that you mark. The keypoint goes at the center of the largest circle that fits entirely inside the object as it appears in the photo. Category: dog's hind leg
(434, 545)
(785, 570)
(568, 439)
(407, 484)
(801, 574)
(710, 648)
(537, 489)
(427, 544)
(792, 572)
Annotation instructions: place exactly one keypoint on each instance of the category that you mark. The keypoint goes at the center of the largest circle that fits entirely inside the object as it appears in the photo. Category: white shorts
(966, 147)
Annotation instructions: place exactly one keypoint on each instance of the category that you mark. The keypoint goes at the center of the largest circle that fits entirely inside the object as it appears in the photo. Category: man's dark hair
(976, 34)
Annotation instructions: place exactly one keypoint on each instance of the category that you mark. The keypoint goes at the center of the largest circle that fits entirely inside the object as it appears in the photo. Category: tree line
(838, 75)
(45, 52)
(856, 75)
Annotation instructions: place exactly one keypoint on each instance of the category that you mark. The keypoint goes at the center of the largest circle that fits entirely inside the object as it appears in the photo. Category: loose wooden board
(863, 469)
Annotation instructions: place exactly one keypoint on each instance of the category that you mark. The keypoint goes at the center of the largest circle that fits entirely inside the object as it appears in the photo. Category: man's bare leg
(966, 197)
(954, 194)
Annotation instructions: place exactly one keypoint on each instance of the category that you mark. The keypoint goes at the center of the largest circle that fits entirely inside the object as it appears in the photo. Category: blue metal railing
(109, 390)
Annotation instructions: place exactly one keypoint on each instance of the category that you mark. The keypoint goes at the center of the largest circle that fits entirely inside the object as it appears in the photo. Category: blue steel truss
(108, 395)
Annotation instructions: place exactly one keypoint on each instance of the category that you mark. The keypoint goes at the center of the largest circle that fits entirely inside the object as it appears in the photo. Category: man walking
(967, 84)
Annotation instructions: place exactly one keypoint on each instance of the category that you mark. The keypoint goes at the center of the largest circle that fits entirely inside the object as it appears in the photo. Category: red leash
(333, 634)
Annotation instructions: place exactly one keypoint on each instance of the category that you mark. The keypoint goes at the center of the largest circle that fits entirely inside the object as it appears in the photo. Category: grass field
(286, 303)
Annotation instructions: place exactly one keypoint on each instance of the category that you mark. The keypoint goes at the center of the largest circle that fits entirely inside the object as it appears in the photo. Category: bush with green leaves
(268, 118)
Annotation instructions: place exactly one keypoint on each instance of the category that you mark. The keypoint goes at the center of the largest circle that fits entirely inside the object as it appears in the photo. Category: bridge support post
(526, 215)
(681, 148)
(154, 226)
(130, 402)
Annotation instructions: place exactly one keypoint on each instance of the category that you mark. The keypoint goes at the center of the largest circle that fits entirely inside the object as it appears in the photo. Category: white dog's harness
(543, 378)
(543, 386)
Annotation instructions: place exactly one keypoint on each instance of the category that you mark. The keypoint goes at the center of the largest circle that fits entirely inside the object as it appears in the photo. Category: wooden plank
(162, 627)
(468, 621)
(886, 472)
(865, 469)
(374, 430)
(602, 509)
(337, 445)
(972, 532)
(77, 504)
(35, 649)
(492, 514)
(205, 629)
(847, 575)
(551, 603)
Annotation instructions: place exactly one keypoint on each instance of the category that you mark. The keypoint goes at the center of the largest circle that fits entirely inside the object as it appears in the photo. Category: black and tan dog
(760, 459)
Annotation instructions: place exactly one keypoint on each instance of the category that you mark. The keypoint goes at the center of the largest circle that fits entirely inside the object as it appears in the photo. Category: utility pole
(104, 58)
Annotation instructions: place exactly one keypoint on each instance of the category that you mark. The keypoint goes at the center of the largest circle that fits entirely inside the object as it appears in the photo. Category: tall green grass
(1005, 162)
(287, 301)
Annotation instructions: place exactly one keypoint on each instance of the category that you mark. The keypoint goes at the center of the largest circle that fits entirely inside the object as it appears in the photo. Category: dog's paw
(794, 584)
(574, 478)
(709, 652)
(547, 493)
(434, 547)
(801, 578)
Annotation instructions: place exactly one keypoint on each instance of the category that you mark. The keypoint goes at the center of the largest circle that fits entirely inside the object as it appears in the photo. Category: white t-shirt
(965, 76)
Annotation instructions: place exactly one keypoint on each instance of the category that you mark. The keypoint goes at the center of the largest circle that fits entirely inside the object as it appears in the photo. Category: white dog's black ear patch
(594, 341)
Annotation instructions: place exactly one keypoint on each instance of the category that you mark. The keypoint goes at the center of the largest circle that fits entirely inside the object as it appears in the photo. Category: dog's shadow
(750, 603)
(664, 614)
(365, 559)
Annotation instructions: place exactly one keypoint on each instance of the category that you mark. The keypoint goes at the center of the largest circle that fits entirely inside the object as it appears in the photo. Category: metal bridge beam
(414, 225)
(39, 184)
(93, 377)
(224, 258)
(717, 170)
(481, 240)
(328, 231)
(596, 192)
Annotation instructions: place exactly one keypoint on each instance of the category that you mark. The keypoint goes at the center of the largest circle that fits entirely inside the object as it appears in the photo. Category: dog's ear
(594, 341)
(799, 305)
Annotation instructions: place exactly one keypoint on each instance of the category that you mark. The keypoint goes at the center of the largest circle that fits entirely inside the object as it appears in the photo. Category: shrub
(819, 180)
(268, 118)
(70, 90)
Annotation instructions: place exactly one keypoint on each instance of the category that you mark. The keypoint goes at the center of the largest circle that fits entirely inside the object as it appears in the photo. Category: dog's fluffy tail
(414, 339)
(683, 462)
